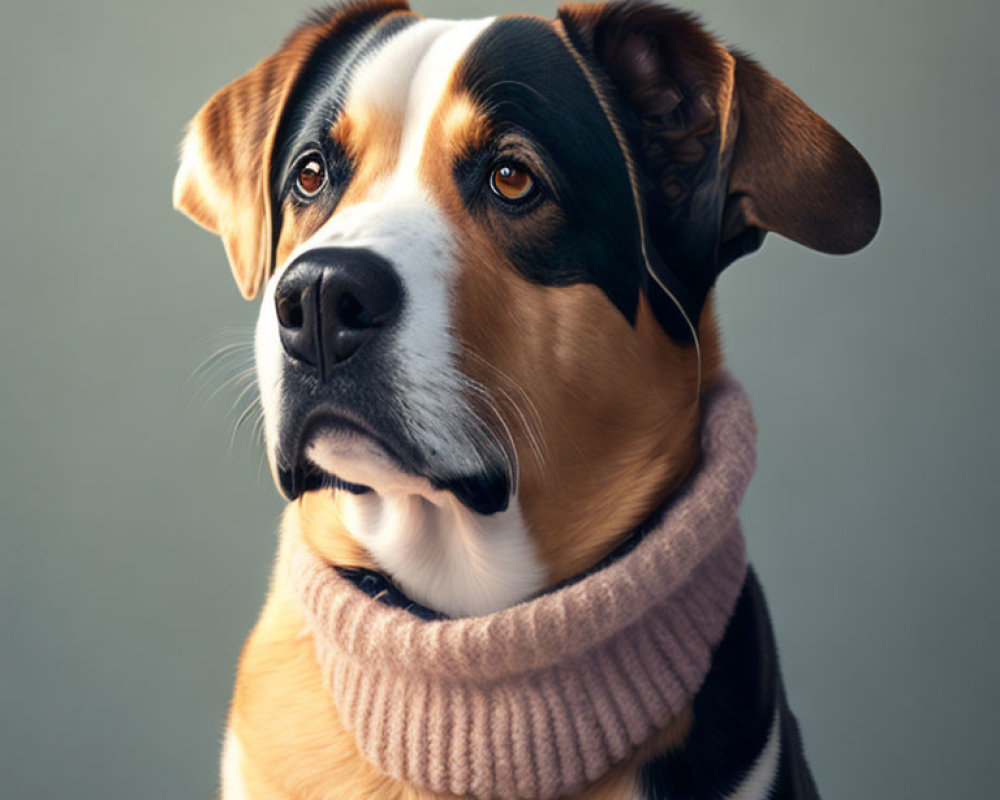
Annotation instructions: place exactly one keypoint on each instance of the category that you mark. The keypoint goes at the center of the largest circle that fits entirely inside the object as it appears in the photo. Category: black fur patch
(733, 714)
(529, 83)
(318, 98)
(657, 63)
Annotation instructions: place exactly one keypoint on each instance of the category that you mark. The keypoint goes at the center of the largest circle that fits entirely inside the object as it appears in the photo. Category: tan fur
(297, 225)
(372, 139)
(604, 415)
(319, 525)
(614, 408)
(463, 126)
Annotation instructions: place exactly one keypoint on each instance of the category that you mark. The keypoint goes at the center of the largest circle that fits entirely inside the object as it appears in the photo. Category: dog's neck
(571, 511)
(465, 564)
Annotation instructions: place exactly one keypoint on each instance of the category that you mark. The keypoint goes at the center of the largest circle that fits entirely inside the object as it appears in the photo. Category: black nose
(331, 301)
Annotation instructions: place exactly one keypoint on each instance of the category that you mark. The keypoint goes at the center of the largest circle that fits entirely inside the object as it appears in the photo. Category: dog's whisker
(534, 440)
(233, 354)
(260, 465)
(233, 381)
(509, 450)
(247, 413)
(258, 429)
(249, 389)
(530, 427)
(240, 350)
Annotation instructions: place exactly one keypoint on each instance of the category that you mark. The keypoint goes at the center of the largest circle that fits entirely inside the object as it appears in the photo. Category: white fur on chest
(444, 556)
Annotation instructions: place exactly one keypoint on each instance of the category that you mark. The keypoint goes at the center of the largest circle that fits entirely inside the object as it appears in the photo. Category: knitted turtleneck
(539, 700)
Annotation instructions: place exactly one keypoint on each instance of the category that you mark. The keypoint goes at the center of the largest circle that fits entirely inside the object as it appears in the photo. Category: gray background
(136, 542)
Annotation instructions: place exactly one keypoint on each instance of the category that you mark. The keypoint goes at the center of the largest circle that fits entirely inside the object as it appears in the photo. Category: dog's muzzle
(332, 301)
(339, 314)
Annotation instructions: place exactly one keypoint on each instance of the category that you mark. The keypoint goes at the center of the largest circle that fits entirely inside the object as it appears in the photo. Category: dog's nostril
(352, 313)
(290, 312)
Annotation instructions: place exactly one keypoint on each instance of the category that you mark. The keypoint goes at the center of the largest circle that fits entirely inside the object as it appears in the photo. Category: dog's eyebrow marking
(464, 126)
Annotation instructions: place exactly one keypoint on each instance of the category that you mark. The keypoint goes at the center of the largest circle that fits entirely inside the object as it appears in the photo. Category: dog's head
(486, 247)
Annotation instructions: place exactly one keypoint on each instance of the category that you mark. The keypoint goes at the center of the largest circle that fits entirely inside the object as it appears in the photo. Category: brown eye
(311, 175)
(512, 183)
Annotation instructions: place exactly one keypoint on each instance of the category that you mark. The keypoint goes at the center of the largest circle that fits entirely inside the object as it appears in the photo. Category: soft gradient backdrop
(136, 540)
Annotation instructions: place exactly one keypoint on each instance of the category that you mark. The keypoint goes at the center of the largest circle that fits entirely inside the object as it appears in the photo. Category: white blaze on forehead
(382, 79)
(409, 77)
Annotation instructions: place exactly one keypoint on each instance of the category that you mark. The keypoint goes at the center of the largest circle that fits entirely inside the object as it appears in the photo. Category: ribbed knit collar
(539, 700)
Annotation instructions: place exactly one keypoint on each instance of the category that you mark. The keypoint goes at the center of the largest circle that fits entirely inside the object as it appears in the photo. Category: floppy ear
(794, 174)
(223, 182)
(721, 151)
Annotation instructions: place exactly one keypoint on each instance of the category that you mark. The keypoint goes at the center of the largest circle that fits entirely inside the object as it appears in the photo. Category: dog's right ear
(223, 182)
(724, 151)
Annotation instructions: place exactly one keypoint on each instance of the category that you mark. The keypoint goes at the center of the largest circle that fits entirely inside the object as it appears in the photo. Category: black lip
(487, 492)
(297, 475)
(306, 477)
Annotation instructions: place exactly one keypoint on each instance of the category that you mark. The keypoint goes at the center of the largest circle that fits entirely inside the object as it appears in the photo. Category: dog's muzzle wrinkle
(332, 301)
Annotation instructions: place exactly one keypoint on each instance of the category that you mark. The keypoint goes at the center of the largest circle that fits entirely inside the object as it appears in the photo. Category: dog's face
(485, 247)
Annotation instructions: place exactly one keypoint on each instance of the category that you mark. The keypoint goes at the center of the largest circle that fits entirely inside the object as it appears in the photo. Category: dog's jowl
(511, 565)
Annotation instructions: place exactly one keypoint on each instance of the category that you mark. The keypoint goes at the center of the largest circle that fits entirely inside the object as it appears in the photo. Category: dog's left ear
(722, 151)
(223, 182)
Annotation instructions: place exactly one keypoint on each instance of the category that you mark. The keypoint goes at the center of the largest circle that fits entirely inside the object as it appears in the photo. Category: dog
(485, 353)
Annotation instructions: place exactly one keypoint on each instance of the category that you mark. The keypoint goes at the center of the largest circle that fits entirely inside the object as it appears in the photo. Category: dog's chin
(346, 458)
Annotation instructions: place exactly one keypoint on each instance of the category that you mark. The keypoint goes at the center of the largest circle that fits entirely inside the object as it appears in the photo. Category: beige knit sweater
(540, 700)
